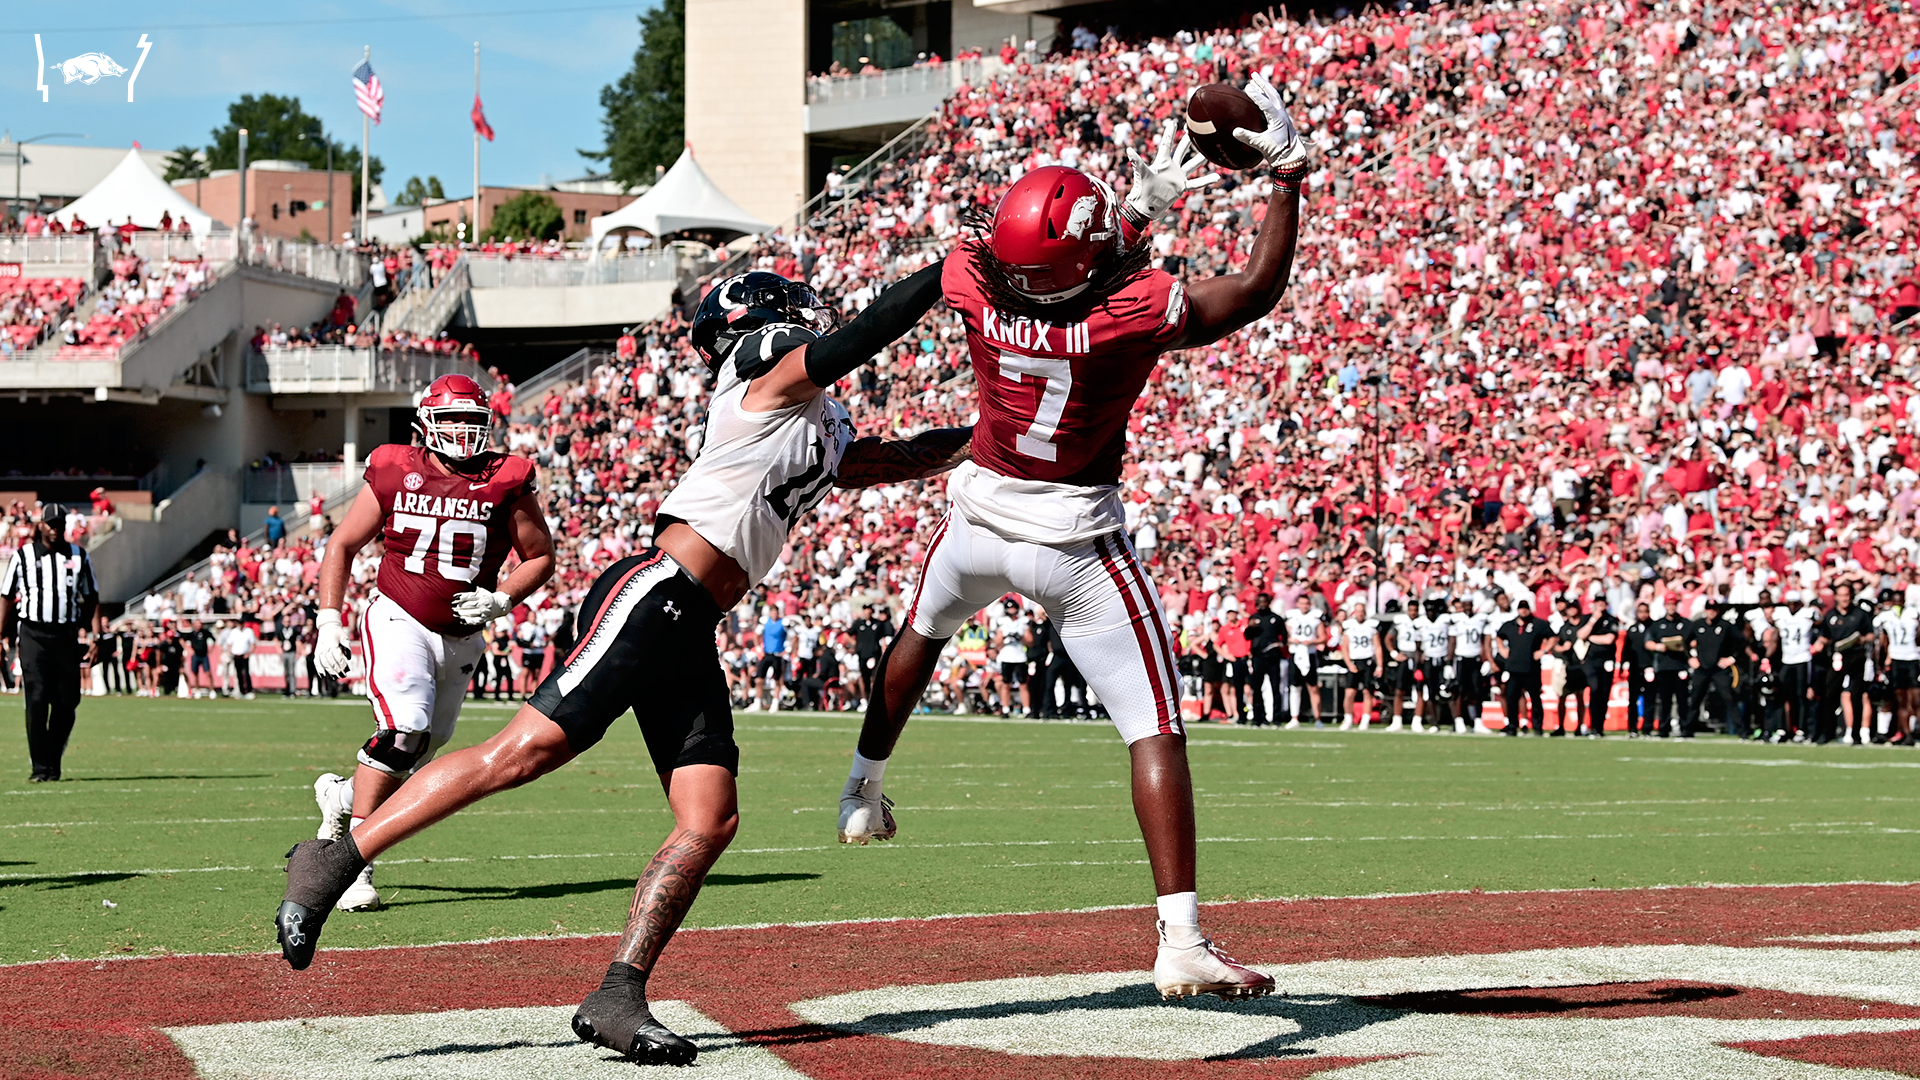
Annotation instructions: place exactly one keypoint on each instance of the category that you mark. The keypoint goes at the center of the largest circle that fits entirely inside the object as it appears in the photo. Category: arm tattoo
(874, 460)
(665, 892)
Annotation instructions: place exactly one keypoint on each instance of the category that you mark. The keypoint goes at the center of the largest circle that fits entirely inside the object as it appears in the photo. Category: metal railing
(74, 248)
(140, 336)
(852, 183)
(321, 262)
(215, 248)
(428, 315)
(829, 90)
(573, 369)
(293, 484)
(493, 272)
(339, 369)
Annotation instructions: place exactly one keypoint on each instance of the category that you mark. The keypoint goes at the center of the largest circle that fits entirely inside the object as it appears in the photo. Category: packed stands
(139, 293)
(31, 308)
(1600, 302)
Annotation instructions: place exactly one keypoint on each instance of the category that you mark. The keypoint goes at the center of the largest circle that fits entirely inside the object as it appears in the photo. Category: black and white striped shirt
(48, 586)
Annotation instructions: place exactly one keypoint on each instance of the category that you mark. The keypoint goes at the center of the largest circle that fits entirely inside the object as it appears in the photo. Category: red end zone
(1487, 969)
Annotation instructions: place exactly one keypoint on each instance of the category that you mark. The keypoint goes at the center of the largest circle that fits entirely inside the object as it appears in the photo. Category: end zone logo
(1778, 983)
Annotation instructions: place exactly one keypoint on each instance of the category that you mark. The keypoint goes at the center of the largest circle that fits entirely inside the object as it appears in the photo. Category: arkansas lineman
(448, 512)
(1065, 322)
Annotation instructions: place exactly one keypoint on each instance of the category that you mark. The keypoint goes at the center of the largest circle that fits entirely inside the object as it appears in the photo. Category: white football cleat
(1197, 967)
(1395, 725)
(864, 816)
(334, 793)
(361, 895)
(1459, 726)
(1291, 724)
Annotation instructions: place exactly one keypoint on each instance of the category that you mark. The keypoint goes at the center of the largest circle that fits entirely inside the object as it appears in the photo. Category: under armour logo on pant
(671, 610)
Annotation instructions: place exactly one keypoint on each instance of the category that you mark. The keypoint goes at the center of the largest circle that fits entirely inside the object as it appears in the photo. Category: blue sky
(541, 74)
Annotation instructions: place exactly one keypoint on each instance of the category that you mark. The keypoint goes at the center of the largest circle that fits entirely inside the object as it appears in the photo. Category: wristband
(327, 617)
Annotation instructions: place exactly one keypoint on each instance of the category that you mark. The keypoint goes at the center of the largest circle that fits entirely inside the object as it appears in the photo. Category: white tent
(132, 190)
(684, 200)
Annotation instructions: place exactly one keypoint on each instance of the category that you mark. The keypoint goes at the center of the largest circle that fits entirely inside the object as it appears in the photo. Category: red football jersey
(1054, 399)
(445, 534)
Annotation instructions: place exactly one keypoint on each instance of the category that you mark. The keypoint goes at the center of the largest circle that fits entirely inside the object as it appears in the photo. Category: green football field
(178, 814)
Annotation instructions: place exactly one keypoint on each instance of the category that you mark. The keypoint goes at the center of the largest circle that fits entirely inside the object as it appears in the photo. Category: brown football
(1213, 112)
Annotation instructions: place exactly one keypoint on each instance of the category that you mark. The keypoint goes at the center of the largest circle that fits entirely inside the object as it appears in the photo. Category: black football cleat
(617, 1018)
(318, 874)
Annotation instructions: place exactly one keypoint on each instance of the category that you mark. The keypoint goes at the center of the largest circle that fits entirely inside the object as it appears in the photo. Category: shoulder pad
(757, 353)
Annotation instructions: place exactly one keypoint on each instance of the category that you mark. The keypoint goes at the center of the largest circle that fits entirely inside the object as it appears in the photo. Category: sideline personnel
(50, 584)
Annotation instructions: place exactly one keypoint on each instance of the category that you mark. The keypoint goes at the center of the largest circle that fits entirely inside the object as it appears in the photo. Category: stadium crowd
(1596, 310)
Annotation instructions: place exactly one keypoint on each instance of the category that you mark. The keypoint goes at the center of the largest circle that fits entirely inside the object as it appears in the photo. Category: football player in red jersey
(448, 512)
(1065, 322)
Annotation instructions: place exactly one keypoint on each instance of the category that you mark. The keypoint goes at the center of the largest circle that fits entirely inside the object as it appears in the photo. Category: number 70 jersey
(1054, 398)
(444, 534)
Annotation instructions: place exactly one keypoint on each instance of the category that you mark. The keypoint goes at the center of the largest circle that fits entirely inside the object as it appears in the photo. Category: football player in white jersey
(1402, 641)
(1306, 640)
(1797, 622)
(775, 443)
(1899, 633)
(1470, 661)
(1435, 628)
(1359, 650)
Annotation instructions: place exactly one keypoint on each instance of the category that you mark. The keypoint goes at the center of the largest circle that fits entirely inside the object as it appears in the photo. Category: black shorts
(1433, 674)
(1361, 678)
(1212, 670)
(1576, 680)
(1015, 674)
(1903, 674)
(1398, 678)
(646, 644)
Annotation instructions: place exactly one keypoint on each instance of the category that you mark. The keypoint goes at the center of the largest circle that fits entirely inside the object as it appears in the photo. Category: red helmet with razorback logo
(453, 418)
(1051, 230)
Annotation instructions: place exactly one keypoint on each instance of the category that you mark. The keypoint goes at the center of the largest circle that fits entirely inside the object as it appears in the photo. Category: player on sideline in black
(775, 443)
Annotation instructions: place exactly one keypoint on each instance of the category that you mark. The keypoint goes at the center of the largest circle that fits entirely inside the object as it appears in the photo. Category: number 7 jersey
(445, 533)
(1054, 402)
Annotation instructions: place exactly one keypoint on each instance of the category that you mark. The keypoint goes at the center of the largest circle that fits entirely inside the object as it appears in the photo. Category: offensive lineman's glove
(1159, 184)
(1281, 143)
(480, 606)
(330, 655)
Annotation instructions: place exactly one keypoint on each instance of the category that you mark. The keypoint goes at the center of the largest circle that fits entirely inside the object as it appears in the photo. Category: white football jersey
(1902, 627)
(758, 473)
(1303, 627)
(1796, 634)
(1435, 635)
(1406, 635)
(1468, 632)
(1361, 638)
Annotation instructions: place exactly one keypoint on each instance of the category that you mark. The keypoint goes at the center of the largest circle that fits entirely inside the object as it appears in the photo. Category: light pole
(19, 158)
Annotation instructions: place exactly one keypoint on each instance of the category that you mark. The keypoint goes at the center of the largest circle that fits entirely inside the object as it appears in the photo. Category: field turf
(178, 814)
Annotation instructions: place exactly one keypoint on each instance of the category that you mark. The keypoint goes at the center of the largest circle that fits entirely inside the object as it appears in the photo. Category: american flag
(366, 90)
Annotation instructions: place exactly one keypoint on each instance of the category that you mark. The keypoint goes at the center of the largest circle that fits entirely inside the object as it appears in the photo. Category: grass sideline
(178, 813)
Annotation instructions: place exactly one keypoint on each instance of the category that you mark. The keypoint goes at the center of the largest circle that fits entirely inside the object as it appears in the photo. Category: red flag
(480, 124)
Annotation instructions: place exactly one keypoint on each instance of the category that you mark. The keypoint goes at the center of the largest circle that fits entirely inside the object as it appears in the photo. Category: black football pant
(1713, 688)
(1266, 673)
(1669, 699)
(50, 670)
(1517, 684)
(1795, 683)
(1640, 702)
(1598, 691)
(243, 673)
(1849, 683)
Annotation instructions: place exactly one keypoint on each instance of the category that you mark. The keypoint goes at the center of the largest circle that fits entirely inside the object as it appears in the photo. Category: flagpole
(473, 233)
(365, 135)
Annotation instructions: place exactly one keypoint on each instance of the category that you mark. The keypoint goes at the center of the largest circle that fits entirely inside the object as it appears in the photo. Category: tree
(416, 193)
(530, 215)
(278, 128)
(645, 121)
(185, 163)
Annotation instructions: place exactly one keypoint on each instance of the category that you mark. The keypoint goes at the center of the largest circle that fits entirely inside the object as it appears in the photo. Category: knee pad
(397, 753)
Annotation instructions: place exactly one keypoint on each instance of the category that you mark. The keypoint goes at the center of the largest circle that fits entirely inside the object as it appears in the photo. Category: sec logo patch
(414, 481)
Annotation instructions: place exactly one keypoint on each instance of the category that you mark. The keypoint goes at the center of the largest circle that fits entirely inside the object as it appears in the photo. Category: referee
(49, 583)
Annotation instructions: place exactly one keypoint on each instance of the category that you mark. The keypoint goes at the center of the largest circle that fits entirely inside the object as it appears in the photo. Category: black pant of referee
(50, 655)
(49, 584)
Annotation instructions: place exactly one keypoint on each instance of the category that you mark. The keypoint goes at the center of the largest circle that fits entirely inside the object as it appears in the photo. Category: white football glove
(1281, 144)
(330, 654)
(480, 606)
(1160, 184)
